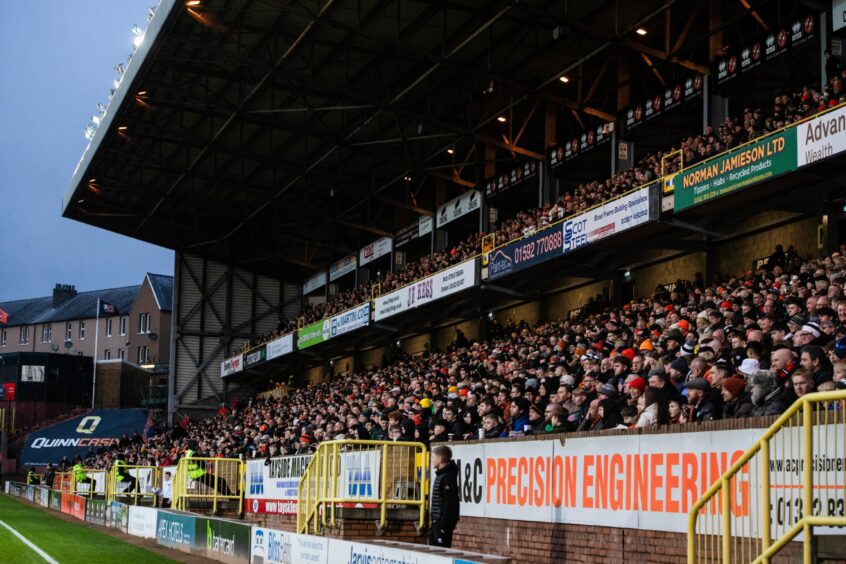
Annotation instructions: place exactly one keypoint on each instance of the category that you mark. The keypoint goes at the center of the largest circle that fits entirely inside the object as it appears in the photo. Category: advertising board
(255, 356)
(270, 546)
(55, 500)
(142, 521)
(376, 249)
(223, 540)
(350, 320)
(314, 334)
(461, 205)
(359, 552)
(176, 530)
(272, 487)
(73, 505)
(42, 496)
(117, 516)
(314, 282)
(344, 266)
(95, 512)
(766, 158)
(280, 347)
(820, 138)
(231, 365)
(439, 285)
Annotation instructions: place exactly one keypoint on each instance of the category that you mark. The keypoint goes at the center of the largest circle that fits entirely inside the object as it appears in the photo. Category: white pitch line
(27, 542)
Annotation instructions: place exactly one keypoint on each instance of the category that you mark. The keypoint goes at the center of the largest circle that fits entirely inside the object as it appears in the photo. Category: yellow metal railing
(66, 482)
(762, 501)
(223, 480)
(147, 480)
(353, 473)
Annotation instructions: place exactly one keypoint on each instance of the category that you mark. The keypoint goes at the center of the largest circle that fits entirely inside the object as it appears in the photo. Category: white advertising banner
(838, 16)
(374, 250)
(349, 552)
(270, 546)
(820, 138)
(232, 365)
(280, 347)
(441, 284)
(640, 482)
(424, 225)
(467, 202)
(358, 475)
(350, 320)
(142, 521)
(342, 267)
(272, 487)
(618, 215)
(315, 282)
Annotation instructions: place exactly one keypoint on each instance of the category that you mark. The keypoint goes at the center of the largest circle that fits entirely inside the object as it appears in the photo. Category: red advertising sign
(73, 505)
(7, 391)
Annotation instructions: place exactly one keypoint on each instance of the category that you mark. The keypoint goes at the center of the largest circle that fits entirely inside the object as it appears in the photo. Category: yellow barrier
(148, 479)
(353, 473)
(65, 482)
(223, 480)
(761, 503)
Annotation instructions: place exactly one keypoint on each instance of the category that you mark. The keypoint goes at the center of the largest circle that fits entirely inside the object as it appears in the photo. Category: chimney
(62, 293)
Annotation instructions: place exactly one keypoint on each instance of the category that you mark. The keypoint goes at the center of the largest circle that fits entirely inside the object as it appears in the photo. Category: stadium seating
(746, 345)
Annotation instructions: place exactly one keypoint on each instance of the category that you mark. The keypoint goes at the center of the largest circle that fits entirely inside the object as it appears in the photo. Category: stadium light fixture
(151, 11)
(89, 131)
(119, 68)
(451, 151)
(122, 128)
(564, 78)
(138, 40)
(641, 31)
(407, 178)
(192, 3)
(501, 119)
(96, 120)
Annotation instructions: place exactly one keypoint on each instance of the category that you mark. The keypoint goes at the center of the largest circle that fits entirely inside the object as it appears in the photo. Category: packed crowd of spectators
(745, 345)
(734, 131)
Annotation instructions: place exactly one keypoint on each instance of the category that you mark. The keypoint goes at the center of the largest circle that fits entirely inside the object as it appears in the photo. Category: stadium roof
(282, 137)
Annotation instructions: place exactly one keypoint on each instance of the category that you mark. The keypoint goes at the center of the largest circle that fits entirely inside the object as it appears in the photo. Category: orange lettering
(501, 471)
(557, 481)
(522, 470)
(602, 482)
(512, 481)
(655, 504)
(689, 472)
(540, 467)
(617, 483)
(490, 474)
(571, 481)
(641, 481)
(587, 481)
(672, 481)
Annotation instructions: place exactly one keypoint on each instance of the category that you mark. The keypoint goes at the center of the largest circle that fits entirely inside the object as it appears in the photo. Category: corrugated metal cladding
(215, 301)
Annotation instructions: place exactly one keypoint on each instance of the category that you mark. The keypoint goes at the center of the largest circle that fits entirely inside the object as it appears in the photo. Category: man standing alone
(445, 501)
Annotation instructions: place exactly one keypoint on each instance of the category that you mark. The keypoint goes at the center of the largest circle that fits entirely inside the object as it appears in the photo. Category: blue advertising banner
(526, 252)
(101, 427)
(176, 530)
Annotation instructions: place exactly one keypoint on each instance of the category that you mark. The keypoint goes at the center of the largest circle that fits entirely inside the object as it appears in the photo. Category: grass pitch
(63, 541)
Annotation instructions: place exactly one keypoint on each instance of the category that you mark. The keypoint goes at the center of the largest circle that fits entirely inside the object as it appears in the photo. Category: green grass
(65, 542)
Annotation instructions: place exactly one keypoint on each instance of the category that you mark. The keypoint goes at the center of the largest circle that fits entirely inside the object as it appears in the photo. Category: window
(46, 333)
(122, 354)
(144, 322)
(143, 355)
(107, 354)
(109, 327)
(123, 325)
(3, 338)
(23, 336)
(68, 331)
(81, 330)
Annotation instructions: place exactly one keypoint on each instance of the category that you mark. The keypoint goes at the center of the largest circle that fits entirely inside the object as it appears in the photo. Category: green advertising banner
(769, 157)
(313, 334)
(225, 541)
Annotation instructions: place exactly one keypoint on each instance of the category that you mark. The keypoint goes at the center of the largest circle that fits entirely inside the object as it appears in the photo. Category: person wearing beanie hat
(646, 345)
(737, 402)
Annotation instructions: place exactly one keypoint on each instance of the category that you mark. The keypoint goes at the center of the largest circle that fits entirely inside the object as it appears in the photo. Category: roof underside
(280, 136)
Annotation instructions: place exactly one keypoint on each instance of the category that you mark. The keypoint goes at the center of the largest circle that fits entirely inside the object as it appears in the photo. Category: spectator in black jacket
(705, 404)
(445, 501)
(737, 402)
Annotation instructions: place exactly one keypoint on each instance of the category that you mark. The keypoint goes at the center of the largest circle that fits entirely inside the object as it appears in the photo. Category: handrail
(737, 533)
(354, 472)
(141, 492)
(186, 488)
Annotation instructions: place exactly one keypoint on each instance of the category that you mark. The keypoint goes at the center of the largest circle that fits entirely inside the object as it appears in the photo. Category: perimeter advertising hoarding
(270, 546)
(820, 138)
(95, 512)
(176, 530)
(766, 158)
(222, 540)
(461, 205)
(142, 521)
(272, 485)
(645, 482)
(344, 266)
(439, 285)
(231, 366)
(255, 357)
(314, 334)
(73, 505)
(334, 326)
(117, 516)
(98, 428)
(583, 229)
(55, 500)
(280, 347)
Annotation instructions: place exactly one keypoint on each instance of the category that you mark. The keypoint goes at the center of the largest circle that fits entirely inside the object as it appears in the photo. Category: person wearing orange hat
(647, 345)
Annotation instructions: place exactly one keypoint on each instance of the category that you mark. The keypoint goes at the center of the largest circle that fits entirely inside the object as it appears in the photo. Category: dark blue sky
(56, 59)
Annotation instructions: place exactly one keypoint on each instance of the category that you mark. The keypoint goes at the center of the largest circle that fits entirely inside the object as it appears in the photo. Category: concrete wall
(647, 278)
(529, 312)
(559, 305)
(736, 256)
(446, 335)
(416, 344)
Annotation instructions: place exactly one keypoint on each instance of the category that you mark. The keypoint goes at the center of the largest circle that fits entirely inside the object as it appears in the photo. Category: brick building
(66, 322)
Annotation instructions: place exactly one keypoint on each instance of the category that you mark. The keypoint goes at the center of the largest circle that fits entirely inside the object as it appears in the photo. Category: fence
(378, 474)
(791, 481)
(147, 484)
(65, 482)
(223, 480)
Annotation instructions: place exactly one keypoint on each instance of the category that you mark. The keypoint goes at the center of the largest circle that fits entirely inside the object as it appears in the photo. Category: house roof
(84, 304)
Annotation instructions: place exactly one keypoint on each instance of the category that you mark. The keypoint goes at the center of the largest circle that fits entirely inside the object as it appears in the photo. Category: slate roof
(163, 289)
(84, 304)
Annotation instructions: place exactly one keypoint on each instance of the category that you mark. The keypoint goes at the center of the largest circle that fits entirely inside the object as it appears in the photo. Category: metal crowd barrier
(207, 487)
(65, 482)
(148, 482)
(352, 473)
(791, 481)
